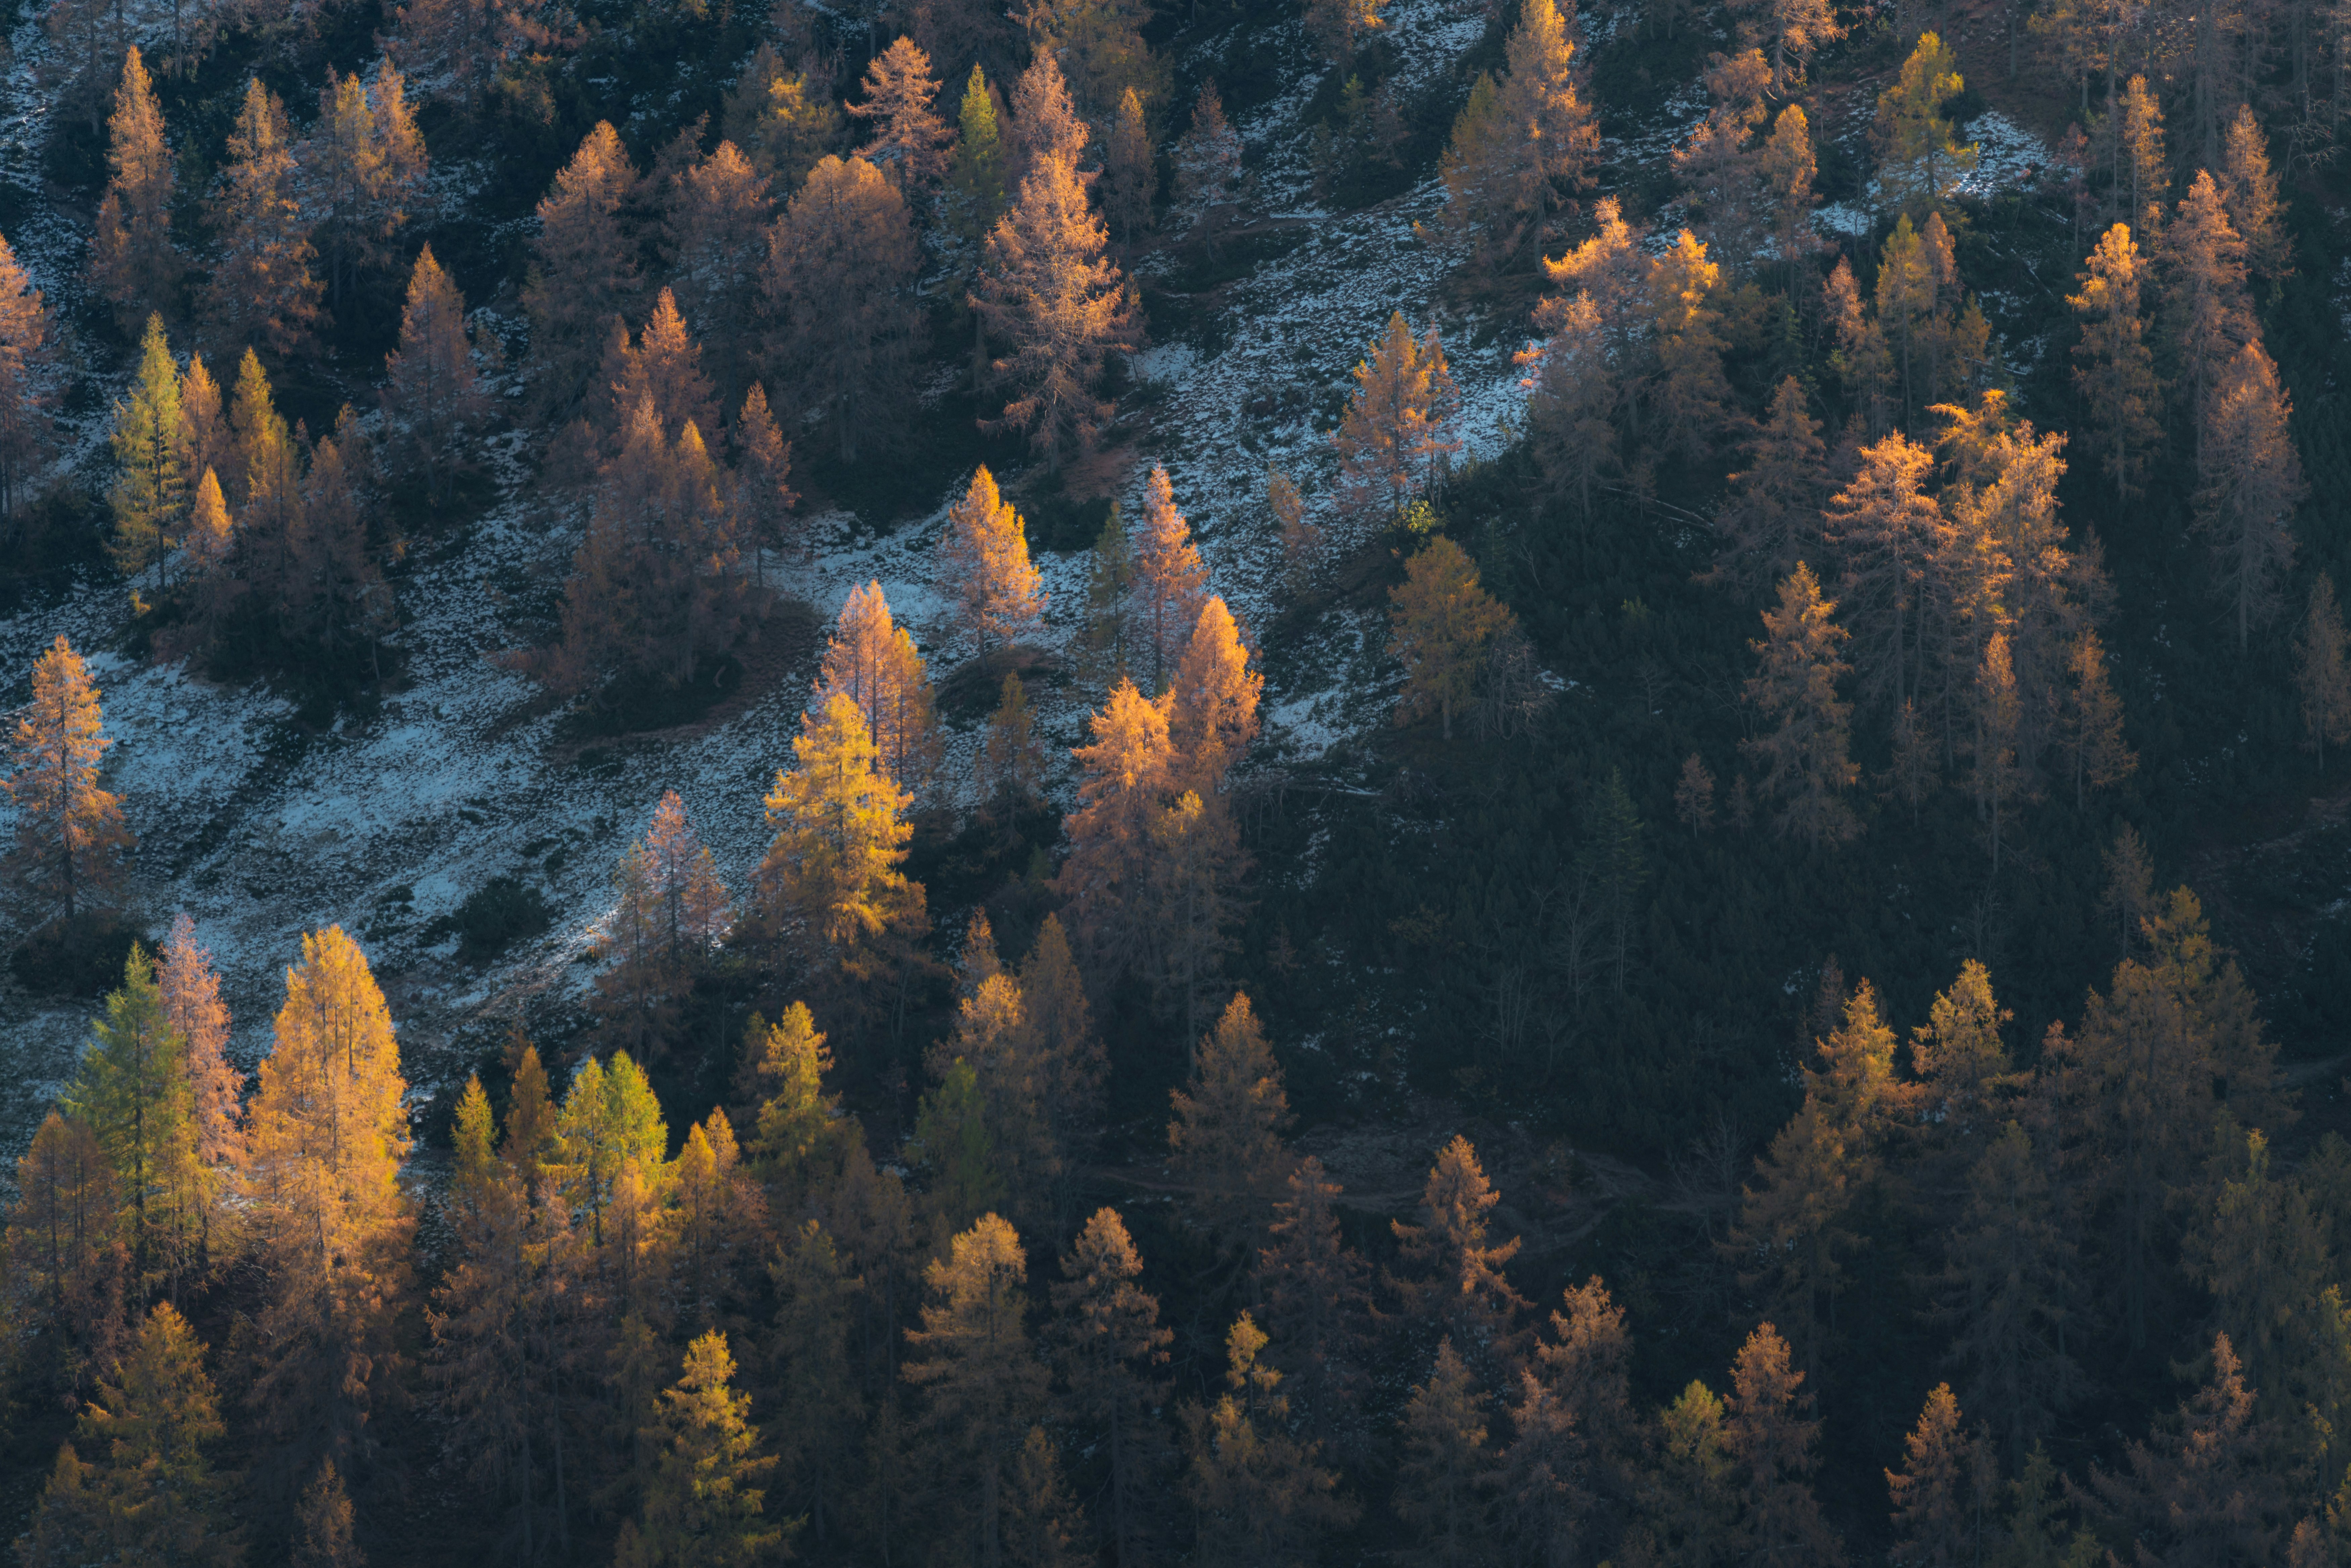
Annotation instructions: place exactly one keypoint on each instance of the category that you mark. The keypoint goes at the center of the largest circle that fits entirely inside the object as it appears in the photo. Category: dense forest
(1130, 781)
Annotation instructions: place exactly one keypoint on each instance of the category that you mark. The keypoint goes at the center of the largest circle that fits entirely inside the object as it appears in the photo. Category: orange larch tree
(133, 261)
(583, 270)
(2252, 483)
(192, 1000)
(1121, 789)
(1212, 704)
(326, 1137)
(910, 143)
(1808, 758)
(262, 291)
(874, 663)
(28, 381)
(70, 835)
(987, 553)
(839, 279)
(716, 240)
(1169, 576)
(431, 385)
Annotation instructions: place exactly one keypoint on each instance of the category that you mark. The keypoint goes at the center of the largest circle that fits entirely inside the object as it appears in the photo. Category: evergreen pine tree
(976, 175)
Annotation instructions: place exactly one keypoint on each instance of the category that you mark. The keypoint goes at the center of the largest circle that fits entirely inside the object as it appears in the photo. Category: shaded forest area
(1843, 883)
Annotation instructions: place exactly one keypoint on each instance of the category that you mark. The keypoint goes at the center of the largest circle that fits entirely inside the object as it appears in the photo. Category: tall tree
(133, 1089)
(842, 264)
(1453, 1277)
(1212, 704)
(2208, 318)
(976, 175)
(1170, 580)
(610, 1120)
(151, 490)
(583, 272)
(149, 1492)
(1122, 783)
(1940, 1502)
(2008, 1283)
(783, 121)
(431, 385)
(1317, 1299)
(983, 1380)
(910, 143)
(763, 496)
(1392, 423)
(1885, 527)
(28, 382)
(1047, 291)
(262, 291)
(1207, 164)
(1923, 161)
(327, 1134)
(1773, 521)
(2199, 1491)
(192, 1002)
(67, 1264)
(1130, 183)
(1230, 1117)
(874, 661)
(71, 834)
(716, 236)
(1440, 624)
(672, 914)
(2252, 483)
(830, 879)
(1111, 1346)
(1807, 759)
(133, 261)
(323, 1519)
(702, 1503)
(1264, 1498)
(1448, 1477)
(1525, 143)
(1770, 1432)
(986, 554)
(360, 173)
(2113, 367)
(2249, 194)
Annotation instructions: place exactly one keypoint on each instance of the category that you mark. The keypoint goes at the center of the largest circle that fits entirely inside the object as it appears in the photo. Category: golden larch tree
(262, 291)
(192, 1002)
(703, 1505)
(133, 261)
(2207, 316)
(71, 834)
(1387, 421)
(1169, 578)
(1212, 704)
(831, 881)
(1440, 623)
(1123, 784)
(326, 1136)
(874, 660)
(1263, 1495)
(2113, 367)
(909, 144)
(982, 1380)
(717, 237)
(986, 554)
(28, 380)
(1049, 293)
(1111, 1346)
(1451, 1277)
